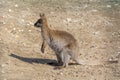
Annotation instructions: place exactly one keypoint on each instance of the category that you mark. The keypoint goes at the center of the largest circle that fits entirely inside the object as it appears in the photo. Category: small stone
(96, 33)
(3, 16)
(22, 20)
(64, 21)
(16, 36)
(75, 67)
(94, 10)
(116, 4)
(2, 71)
(3, 65)
(6, 29)
(69, 19)
(4, 23)
(118, 53)
(110, 59)
(16, 5)
(28, 24)
(21, 72)
(75, 21)
(109, 6)
(21, 30)
(53, 75)
(14, 28)
(91, 0)
(31, 23)
(29, 30)
(61, 73)
(51, 12)
(76, 75)
(86, 6)
(10, 10)
(92, 46)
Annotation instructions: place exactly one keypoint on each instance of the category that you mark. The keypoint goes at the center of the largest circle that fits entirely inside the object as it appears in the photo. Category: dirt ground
(94, 23)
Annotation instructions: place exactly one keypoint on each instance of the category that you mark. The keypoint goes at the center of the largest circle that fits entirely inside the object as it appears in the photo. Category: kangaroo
(63, 43)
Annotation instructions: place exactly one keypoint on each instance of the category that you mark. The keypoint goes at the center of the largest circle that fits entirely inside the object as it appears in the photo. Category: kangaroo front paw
(42, 50)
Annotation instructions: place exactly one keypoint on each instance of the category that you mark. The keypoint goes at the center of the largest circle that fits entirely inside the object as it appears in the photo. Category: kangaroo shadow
(35, 60)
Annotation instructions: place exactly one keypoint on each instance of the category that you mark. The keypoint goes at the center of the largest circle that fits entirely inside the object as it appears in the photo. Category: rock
(31, 23)
(2, 71)
(52, 12)
(60, 73)
(111, 59)
(109, 6)
(16, 5)
(28, 24)
(69, 20)
(77, 75)
(22, 20)
(3, 65)
(21, 30)
(29, 30)
(116, 4)
(96, 33)
(86, 6)
(91, 0)
(10, 10)
(16, 36)
(53, 75)
(94, 10)
(4, 23)
(75, 67)
(14, 28)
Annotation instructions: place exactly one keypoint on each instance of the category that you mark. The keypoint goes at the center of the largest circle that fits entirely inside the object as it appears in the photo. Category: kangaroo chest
(55, 45)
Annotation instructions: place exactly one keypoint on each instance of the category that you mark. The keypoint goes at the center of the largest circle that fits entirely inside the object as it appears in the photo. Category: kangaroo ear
(42, 14)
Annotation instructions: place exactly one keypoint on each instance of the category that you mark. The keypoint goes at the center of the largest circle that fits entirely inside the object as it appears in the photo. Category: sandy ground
(94, 23)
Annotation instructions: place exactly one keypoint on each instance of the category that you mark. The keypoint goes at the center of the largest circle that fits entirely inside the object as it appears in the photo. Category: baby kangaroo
(63, 43)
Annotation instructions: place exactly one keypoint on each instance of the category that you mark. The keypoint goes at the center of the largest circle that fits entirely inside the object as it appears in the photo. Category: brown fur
(63, 43)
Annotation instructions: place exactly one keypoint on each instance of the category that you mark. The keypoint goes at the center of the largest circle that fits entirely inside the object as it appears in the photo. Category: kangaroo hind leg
(59, 60)
(66, 60)
(65, 57)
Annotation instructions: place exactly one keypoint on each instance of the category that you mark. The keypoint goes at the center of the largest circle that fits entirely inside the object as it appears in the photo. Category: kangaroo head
(40, 21)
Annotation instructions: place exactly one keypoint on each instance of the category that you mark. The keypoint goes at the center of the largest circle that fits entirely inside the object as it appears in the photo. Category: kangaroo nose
(35, 24)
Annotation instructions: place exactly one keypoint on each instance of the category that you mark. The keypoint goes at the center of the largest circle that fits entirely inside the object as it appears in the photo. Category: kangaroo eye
(40, 21)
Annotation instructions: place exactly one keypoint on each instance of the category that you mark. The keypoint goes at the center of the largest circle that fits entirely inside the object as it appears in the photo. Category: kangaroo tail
(82, 62)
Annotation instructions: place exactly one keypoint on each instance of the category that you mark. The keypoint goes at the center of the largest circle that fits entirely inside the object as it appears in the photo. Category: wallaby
(63, 43)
